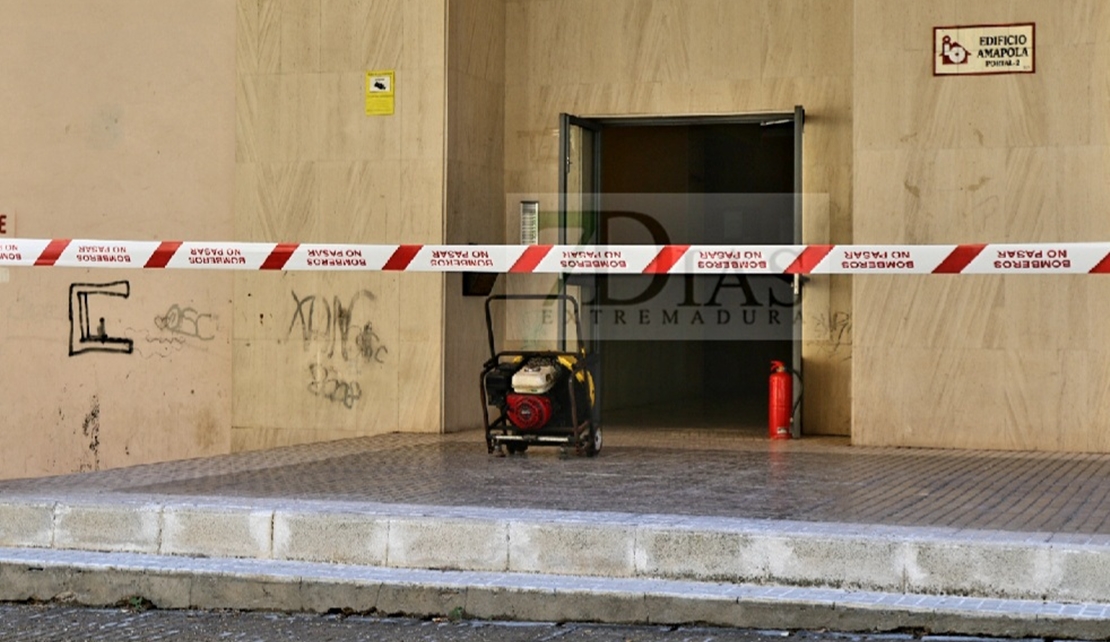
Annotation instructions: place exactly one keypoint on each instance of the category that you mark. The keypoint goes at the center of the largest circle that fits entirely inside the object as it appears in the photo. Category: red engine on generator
(528, 412)
(533, 393)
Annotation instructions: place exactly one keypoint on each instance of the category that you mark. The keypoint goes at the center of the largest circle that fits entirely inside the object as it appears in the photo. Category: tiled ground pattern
(646, 472)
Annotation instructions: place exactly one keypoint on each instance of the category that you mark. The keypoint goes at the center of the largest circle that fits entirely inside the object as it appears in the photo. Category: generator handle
(531, 297)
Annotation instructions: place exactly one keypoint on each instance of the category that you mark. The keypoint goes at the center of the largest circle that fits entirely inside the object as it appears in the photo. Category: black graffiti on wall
(836, 329)
(84, 334)
(342, 335)
(327, 384)
(331, 322)
(186, 322)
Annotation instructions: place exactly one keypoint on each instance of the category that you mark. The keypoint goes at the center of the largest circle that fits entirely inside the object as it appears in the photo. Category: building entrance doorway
(686, 351)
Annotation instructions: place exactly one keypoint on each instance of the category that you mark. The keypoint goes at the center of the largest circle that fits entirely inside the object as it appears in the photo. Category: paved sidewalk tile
(655, 472)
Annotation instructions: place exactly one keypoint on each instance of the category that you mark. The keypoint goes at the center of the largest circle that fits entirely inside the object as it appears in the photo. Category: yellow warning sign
(379, 93)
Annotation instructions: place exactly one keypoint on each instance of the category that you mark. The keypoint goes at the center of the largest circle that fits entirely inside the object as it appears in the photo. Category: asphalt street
(60, 622)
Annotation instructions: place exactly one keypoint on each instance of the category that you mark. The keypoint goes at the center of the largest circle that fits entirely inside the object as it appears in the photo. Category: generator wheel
(593, 445)
(515, 448)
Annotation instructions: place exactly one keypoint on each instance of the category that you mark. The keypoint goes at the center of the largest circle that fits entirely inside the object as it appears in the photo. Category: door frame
(596, 125)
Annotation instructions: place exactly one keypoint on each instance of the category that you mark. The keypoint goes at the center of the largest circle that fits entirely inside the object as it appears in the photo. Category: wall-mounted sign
(983, 49)
(379, 93)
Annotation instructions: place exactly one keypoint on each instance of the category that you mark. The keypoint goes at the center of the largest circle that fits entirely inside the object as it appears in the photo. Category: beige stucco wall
(262, 135)
(475, 187)
(118, 121)
(1011, 362)
(683, 57)
(311, 166)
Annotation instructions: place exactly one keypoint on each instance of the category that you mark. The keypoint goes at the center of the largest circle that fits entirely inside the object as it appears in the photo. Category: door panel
(799, 124)
(579, 187)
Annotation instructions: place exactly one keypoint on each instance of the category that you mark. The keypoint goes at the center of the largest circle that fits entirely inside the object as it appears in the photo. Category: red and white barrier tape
(1006, 258)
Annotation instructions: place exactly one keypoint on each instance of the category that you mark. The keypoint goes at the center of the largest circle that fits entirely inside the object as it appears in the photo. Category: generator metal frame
(583, 434)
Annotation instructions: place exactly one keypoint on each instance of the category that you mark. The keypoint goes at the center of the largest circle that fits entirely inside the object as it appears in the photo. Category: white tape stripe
(17, 252)
(1038, 258)
(321, 256)
(466, 258)
(746, 259)
(100, 254)
(598, 259)
(883, 259)
(224, 256)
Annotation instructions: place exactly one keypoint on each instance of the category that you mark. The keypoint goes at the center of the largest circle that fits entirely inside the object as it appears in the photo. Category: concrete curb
(101, 579)
(702, 549)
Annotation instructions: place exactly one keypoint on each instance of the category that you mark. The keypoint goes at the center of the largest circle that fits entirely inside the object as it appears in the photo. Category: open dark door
(687, 351)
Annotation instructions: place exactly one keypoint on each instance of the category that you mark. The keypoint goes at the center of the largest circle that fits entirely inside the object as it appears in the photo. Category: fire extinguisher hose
(801, 389)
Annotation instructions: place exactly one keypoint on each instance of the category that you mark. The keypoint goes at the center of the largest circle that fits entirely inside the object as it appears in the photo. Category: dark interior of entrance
(692, 382)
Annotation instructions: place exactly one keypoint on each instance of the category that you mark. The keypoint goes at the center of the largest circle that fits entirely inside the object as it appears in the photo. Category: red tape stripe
(401, 257)
(279, 256)
(959, 259)
(531, 258)
(161, 257)
(52, 252)
(666, 259)
(1103, 266)
(808, 259)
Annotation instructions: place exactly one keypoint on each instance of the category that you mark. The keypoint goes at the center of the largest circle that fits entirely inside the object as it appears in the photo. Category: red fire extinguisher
(780, 402)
